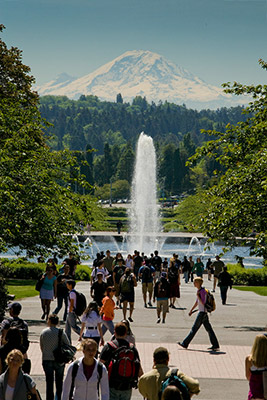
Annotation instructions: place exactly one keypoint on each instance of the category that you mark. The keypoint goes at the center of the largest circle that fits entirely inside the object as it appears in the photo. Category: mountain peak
(144, 73)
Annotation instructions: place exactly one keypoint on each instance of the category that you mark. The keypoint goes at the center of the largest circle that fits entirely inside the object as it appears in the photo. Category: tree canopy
(37, 206)
(238, 201)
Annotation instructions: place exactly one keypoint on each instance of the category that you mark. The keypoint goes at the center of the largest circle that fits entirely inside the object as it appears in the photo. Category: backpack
(210, 304)
(74, 373)
(126, 284)
(123, 367)
(80, 303)
(173, 275)
(162, 290)
(20, 324)
(146, 274)
(174, 380)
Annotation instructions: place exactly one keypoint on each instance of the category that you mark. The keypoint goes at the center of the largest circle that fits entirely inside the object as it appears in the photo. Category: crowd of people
(110, 370)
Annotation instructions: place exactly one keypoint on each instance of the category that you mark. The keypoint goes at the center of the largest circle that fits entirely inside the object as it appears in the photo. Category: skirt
(46, 294)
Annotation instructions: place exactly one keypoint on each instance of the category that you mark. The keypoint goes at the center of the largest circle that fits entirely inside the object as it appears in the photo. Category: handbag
(64, 353)
(30, 395)
(39, 284)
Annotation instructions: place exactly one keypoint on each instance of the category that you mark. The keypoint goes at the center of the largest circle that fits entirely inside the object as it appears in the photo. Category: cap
(16, 307)
(161, 354)
(99, 273)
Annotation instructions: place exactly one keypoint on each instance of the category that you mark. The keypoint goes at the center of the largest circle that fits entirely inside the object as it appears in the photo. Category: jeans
(53, 372)
(108, 325)
(186, 276)
(60, 300)
(115, 394)
(71, 323)
(223, 290)
(202, 318)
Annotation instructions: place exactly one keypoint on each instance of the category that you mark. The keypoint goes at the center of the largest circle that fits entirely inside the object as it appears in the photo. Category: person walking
(91, 324)
(224, 282)
(86, 378)
(255, 365)
(53, 370)
(199, 268)
(127, 285)
(149, 384)
(202, 318)
(13, 383)
(217, 267)
(186, 269)
(146, 274)
(107, 311)
(120, 386)
(174, 279)
(98, 289)
(71, 322)
(48, 290)
(62, 291)
(162, 294)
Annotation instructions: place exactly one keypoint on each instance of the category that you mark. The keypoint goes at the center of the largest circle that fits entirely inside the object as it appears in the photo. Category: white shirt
(9, 392)
(91, 321)
(72, 295)
(104, 272)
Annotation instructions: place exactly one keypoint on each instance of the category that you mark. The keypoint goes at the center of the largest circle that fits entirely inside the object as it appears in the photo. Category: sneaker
(213, 291)
(163, 321)
(130, 319)
(158, 321)
(212, 348)
(145, 305)
(149, 303)
(182, 345)
(171, 305)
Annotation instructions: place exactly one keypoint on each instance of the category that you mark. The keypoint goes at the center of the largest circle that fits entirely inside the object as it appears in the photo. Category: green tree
(238, 203)
(37, 206)
(126, 164)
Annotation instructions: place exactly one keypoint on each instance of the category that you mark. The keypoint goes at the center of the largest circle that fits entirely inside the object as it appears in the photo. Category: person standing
(71, 322)
(202, 318)
(48, 343)
(224, 282)
(217, 267)
(127, 285)
(162, 294)
(86, 378)
(62, 291)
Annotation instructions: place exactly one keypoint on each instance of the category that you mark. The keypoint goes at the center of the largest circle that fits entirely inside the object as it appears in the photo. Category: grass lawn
(21, 288)
(261, 290)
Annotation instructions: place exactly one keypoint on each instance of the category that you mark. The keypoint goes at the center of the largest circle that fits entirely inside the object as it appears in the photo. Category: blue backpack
(174, 380)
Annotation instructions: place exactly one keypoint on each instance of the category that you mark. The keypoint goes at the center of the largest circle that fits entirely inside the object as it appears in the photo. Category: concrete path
(221, 374)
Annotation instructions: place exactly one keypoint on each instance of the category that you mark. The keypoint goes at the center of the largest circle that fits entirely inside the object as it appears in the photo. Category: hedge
(23, 269)
(248, 276)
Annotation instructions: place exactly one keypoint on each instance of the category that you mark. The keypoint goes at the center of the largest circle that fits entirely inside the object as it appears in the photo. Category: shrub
(248, 276)
(83, 273)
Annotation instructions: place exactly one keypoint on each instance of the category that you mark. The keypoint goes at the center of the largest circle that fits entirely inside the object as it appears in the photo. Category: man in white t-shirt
(71, 322)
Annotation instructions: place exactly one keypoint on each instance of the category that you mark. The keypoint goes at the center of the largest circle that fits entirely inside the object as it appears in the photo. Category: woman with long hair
(48, 290)
(255, 365)
(13, 383)
(88, 377)
(91, 324)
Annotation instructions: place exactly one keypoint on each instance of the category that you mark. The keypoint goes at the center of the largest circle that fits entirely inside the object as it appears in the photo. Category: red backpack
(124, 366)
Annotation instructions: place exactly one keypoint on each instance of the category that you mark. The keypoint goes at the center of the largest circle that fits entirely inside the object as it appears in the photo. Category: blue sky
(218, 40)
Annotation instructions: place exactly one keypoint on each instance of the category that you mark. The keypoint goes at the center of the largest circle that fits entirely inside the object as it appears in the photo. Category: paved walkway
(221, 374)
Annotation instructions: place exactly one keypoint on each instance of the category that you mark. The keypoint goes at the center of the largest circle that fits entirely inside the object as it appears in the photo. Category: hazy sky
(218, 40)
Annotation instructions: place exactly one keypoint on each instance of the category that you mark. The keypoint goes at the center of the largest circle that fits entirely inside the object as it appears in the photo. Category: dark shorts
(127, 297)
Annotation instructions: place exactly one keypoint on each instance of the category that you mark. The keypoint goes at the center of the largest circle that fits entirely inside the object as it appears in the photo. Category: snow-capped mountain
(141, 73)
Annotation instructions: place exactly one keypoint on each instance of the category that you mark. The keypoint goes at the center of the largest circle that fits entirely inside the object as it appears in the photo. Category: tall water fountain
(144, 218)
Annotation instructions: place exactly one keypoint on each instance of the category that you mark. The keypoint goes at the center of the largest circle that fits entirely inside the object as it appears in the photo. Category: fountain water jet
(144, 218)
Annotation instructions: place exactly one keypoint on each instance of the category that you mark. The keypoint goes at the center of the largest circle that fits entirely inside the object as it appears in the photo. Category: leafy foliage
(238, 202)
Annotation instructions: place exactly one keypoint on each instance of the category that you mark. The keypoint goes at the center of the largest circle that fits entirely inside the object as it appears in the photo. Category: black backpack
(146, 274)
(174, 380)
(20, 324)
(80, 303)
